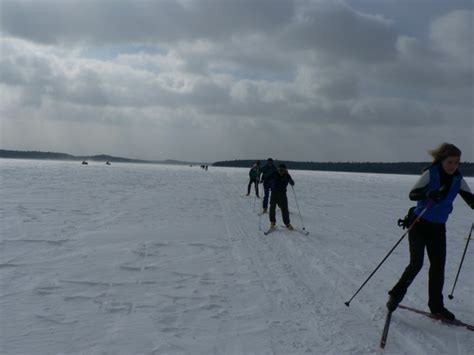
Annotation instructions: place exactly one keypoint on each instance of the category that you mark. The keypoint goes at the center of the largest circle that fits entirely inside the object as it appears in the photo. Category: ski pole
(462, 259)
(390, 252)
(256, 193)
(260, 221)
(247, 186)
(254, 199)
(296, 200)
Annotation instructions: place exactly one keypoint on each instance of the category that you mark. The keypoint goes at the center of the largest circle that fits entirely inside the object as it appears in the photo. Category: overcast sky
(208, 80)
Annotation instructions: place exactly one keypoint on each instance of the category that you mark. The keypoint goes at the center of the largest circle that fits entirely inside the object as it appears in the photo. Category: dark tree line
(15, 154)
(411, 168)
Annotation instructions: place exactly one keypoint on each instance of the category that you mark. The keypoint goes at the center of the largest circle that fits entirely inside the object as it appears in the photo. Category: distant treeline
(17, 154)
(411, 168)
(14, 154)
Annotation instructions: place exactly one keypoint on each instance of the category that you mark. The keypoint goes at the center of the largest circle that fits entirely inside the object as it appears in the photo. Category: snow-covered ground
(155, 259)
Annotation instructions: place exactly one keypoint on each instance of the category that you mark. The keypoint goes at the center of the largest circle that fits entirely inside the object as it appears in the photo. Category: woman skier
(435, 191)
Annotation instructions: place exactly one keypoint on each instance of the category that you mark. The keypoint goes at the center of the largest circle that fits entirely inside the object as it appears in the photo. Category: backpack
(253, 173)
(406, 221)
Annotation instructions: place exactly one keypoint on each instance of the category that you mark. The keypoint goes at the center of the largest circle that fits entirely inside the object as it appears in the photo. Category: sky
(209, 80)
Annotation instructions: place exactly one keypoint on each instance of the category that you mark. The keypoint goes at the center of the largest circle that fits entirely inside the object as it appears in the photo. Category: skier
(280, 181)
(254, 174)
(437, 188)
(267, 174)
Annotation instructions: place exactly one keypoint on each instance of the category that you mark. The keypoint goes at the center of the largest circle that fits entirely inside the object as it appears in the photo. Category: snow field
(155, 259)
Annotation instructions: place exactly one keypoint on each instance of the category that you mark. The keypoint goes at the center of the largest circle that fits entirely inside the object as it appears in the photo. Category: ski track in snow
(138, 259)
(290, 295)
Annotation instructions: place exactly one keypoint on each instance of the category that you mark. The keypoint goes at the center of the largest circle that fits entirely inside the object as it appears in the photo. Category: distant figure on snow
(108, 163)
(254, 175)
(435, 190)
(84, 162)
(267, 174)
(280, 181)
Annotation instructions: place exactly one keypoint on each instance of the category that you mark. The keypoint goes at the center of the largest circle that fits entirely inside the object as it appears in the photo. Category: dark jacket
(267, 171)
(254, 172)
(280, 182)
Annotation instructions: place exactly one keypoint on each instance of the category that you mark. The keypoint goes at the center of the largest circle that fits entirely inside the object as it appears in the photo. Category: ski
(271, 229)
(383, 339)
(444, 320)
(302, 231)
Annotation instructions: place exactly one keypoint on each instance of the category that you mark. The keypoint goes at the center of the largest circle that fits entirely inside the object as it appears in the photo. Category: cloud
(319, 75)
(109, 21)
(339, 31)
(452, 34)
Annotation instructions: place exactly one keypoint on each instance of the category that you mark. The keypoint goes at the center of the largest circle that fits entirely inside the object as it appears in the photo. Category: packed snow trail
(150, 259)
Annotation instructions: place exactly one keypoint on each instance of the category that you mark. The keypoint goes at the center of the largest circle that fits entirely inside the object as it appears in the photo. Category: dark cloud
(110, 21)
(341, 32)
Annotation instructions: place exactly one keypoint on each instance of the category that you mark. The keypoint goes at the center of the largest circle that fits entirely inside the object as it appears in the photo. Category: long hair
(443, 151)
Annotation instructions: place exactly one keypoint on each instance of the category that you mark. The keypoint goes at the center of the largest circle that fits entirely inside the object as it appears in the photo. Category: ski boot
(289, 226)
(443, 313)
(393, 302)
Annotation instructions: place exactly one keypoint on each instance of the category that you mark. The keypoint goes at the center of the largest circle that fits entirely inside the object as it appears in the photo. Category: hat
(282, 166)
(270, 159)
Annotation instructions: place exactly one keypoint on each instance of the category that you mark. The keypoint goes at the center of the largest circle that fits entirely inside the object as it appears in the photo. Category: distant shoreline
(38, 155)
(406, 168)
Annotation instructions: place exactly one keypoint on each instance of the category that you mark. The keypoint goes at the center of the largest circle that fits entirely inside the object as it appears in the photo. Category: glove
(435, 195)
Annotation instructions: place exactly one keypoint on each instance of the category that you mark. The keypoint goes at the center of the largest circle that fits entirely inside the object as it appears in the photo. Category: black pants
(433, 237)
(253, 181)
(280, 199)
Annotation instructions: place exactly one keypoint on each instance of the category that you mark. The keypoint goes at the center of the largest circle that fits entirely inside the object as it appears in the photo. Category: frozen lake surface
(156, 259)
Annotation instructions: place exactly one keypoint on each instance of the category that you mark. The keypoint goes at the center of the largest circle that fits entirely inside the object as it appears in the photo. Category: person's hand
(435, 195)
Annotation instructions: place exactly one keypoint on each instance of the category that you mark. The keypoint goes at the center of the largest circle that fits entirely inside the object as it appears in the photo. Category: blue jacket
(267, 172)
(439, 211)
